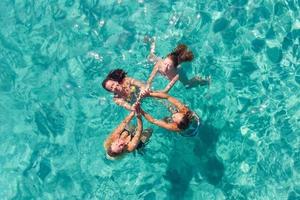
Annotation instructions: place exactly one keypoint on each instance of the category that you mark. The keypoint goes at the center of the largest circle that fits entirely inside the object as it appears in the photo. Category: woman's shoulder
(184, 109)
(129, 80)
(160, 62)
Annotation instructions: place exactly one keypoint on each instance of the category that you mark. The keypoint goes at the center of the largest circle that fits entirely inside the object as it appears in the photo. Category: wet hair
(185, 121)
(111, 153)
(181, 54)
(115, 75)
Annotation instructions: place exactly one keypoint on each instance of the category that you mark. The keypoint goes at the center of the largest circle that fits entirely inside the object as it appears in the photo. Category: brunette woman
(170, 68)
(125, 89)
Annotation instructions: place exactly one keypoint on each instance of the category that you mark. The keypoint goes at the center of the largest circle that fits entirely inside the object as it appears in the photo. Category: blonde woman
(125, 139)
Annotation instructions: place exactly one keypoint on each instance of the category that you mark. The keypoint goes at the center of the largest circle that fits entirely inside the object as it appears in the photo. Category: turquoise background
(54, 115)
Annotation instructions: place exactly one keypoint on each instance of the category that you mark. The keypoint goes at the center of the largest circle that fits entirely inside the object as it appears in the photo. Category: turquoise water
(55, 116)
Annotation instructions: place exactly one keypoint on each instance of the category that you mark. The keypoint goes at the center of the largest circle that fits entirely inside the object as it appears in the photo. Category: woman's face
(118, 146)
(168, 62)
(177, 117)
(113, 86)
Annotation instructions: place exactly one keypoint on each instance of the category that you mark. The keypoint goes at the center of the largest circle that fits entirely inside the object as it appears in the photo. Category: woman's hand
(145, 92)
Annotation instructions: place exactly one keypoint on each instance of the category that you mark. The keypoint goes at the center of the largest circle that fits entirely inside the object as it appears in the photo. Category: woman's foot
(203, 81)
(197, 80)
(208, 79)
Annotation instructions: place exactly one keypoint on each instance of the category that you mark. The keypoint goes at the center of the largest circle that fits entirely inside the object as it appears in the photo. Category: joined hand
(145, 92)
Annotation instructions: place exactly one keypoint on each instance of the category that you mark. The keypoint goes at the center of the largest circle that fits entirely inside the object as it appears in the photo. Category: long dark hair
(185, 121)
(115, 75)
(181, 54)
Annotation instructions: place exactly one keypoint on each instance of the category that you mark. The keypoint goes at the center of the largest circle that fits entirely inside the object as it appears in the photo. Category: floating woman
(125, 89)
(180, 119)
(171, 69)
(125, 139)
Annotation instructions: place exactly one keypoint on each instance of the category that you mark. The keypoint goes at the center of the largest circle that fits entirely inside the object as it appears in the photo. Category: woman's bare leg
(193, 82)
(197, 80)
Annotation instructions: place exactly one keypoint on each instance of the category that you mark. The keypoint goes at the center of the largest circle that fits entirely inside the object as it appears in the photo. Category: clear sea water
(54, 115)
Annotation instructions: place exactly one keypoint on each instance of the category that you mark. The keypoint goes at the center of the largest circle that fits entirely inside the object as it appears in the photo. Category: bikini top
(131, 130)
(132, 96)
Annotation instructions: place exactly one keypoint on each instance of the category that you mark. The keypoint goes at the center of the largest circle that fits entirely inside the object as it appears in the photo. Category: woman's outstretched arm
(116, 133)
(171, 83)
(178, 104)
(152, 75)
(161, 123)
(123, 103)
(136, 83)
(160, 95)
(137, 136)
